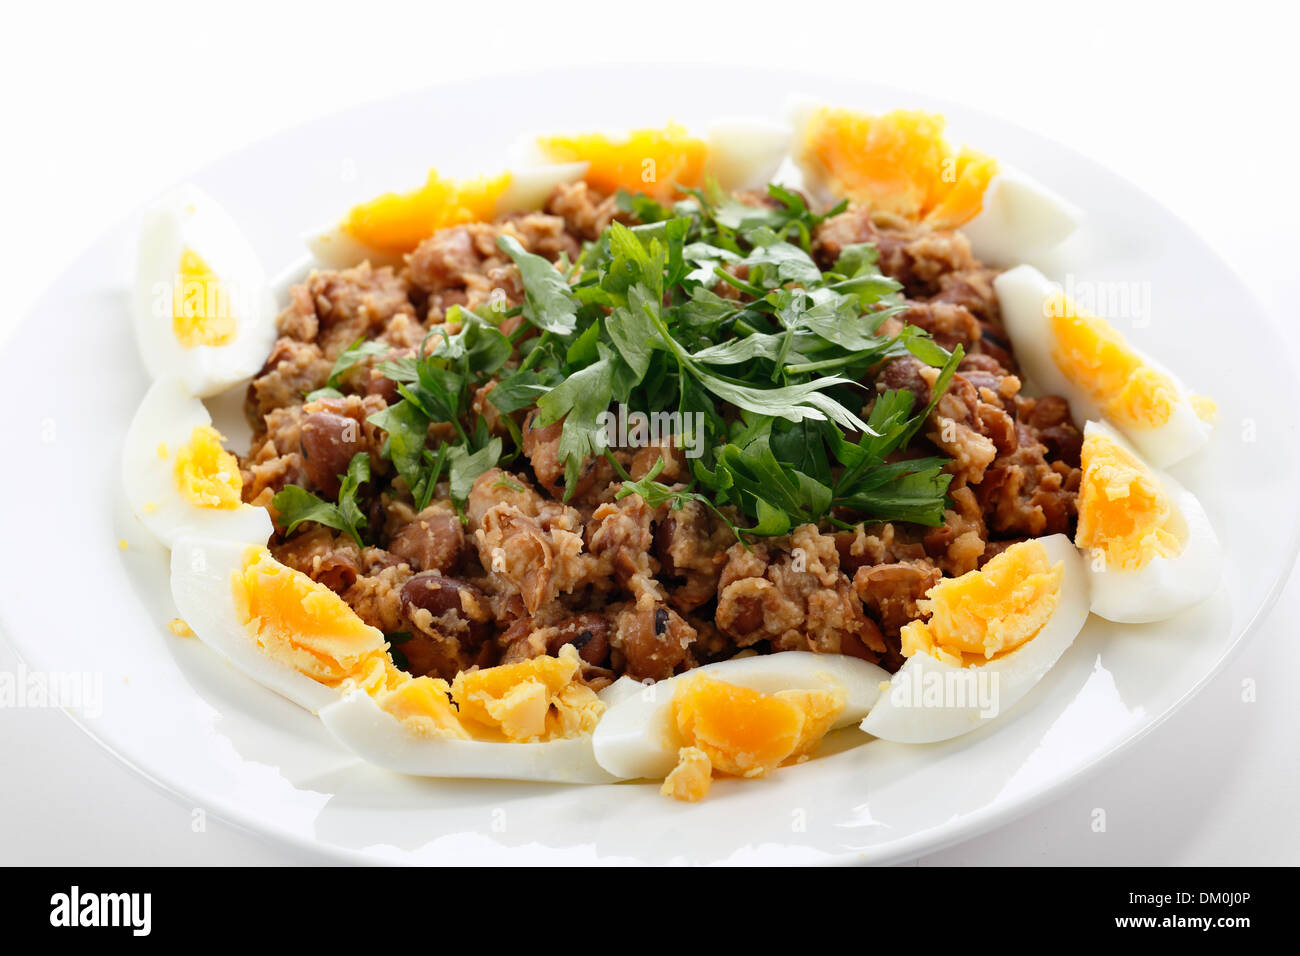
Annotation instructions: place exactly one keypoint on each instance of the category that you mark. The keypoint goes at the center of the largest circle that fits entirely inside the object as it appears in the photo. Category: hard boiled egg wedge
(277, 625)
(991, 636)
(177, 476)
(526, 721)
(900, 163)
(1019, 219)
(1149, 548)
(387, 227)
(1067, 351)
(738, 153)
(640, 736)
(745, 152)
(203, 310)
(896, 162)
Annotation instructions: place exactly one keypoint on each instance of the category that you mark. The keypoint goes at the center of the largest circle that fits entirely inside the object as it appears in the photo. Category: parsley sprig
(296, 505)
(774, 367)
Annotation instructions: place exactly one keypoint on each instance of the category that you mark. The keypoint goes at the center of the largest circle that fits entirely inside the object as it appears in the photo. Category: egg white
(188, 218)
(168, 415)
(1020, 218)
(379, 738)
(1023, 294)
(1164, 586)
(745, 152)
(201, 580)
(637, 737)
(903, 715)
(529, 188)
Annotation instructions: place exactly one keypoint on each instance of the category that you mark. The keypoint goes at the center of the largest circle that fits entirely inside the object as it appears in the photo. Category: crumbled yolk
(650, 161)
(1123, 508)
(1093, 355)
(1207, 410)
(747, 733)
(536, 699)
(898, 162)
(395, 223)
(206, 474)
(989, 611)
(424, 704)
(201, 310)
(306, 625)
(690, 779)
(179, 628)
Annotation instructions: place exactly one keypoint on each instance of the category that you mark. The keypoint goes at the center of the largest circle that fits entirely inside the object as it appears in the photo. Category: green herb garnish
(296, 505)
(648, 329)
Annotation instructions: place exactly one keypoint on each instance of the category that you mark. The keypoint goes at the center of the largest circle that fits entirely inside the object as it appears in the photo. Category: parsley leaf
(579, 400)
(408, 431)
(465, 467)
(296, 505)
(548, 303)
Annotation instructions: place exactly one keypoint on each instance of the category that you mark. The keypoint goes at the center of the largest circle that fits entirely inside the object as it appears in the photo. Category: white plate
(73, 602)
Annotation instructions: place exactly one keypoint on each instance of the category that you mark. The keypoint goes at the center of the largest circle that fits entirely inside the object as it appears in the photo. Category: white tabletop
(105, 106)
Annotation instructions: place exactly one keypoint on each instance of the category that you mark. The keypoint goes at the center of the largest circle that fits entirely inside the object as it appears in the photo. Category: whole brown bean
(439, 594)
(432, 542)
(653, 639)
(665, 532)
(328, 441)
(588, 632)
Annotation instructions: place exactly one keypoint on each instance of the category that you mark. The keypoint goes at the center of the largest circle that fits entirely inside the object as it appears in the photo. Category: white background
(104, 105)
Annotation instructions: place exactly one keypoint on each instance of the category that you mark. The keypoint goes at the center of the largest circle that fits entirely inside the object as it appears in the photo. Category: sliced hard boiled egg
(531, 186)
(640, 735)
(739, 153)
(1020, 218)
(1150, 549)
(177, 476)
(896, 162)
(1068, 351)
(203, 309)
(387, 227)
(281, 628)
(650, 161)
(413, 728)
(991, 636)
(745, 153)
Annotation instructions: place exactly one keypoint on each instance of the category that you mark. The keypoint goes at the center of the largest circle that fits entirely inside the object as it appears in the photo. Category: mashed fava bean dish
(660, 455)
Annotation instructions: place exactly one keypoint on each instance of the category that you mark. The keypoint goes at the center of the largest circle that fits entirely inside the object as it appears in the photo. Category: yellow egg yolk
(201, 310)
(899, 163)
(206, 474)
(1207, 410)
(395, 223)
(536, 699)
(1094, 356)
(306, 625)
(1124, 510)
(690, 779)
(424, 704)
(747, 733)
(650, 161)
(988, 611)
(179, 628)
